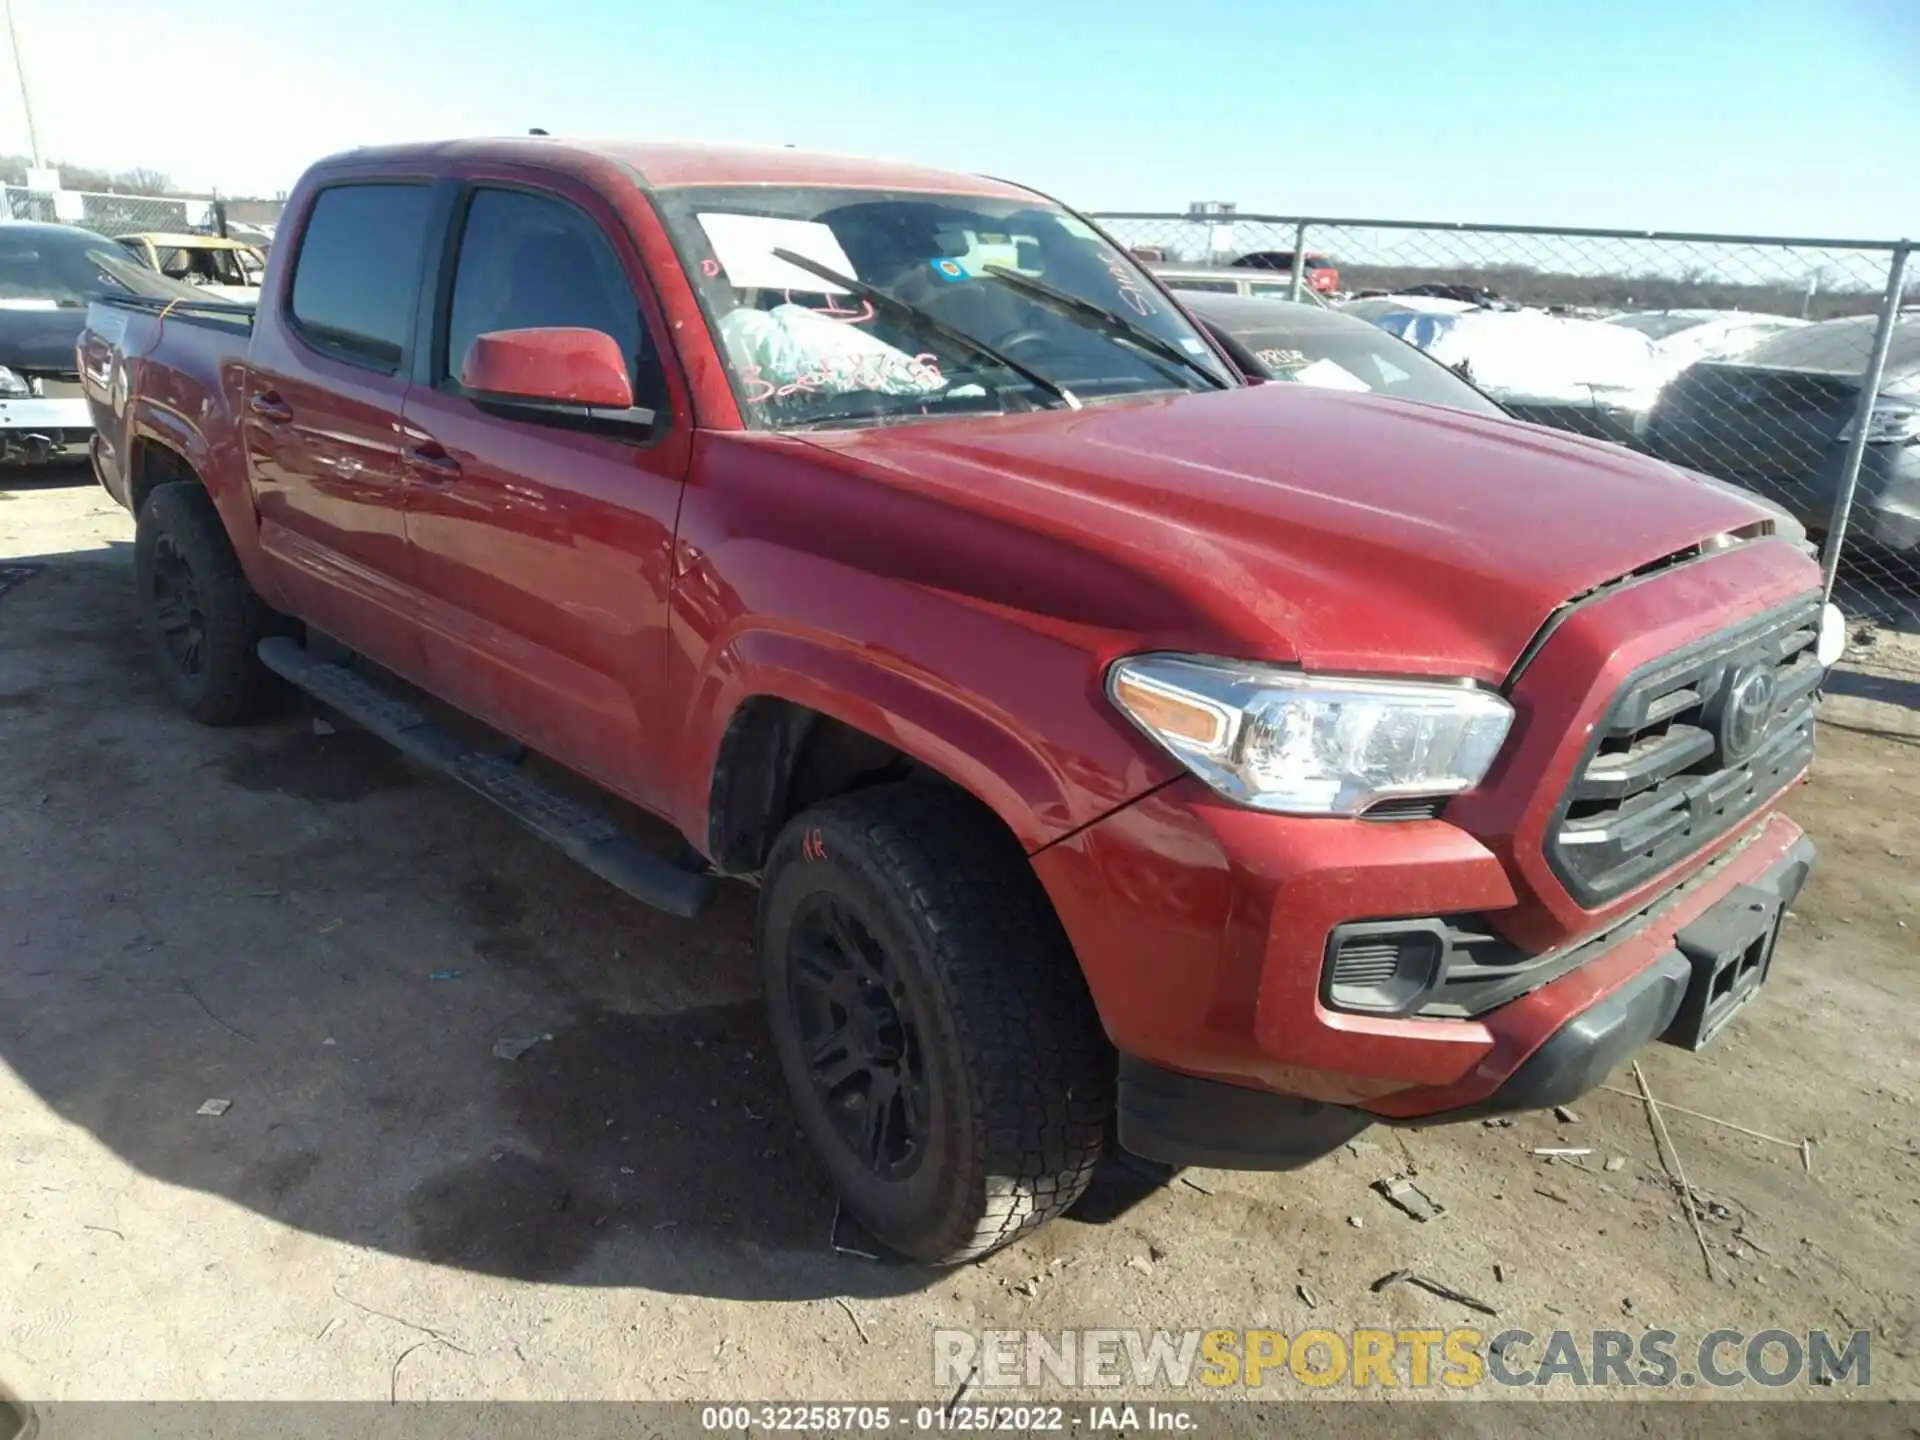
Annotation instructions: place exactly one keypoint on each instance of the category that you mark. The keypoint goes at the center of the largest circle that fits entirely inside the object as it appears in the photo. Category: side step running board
(583, 833)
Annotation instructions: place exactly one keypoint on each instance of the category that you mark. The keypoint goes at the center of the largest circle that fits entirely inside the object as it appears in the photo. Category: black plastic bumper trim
(1185, 1120)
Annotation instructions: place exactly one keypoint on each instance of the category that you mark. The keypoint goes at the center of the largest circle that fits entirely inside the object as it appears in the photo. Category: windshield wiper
(929, 325)
(1098, 317)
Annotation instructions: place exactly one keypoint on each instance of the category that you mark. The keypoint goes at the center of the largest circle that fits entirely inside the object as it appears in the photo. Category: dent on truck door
(321, 413)
(543, 554)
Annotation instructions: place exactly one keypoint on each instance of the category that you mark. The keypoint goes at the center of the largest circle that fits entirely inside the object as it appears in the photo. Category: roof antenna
(536, 130)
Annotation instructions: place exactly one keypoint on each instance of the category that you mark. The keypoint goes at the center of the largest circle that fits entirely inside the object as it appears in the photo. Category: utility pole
(26, 103)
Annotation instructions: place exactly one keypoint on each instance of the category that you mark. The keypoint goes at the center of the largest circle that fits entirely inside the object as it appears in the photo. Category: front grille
(1693, 744)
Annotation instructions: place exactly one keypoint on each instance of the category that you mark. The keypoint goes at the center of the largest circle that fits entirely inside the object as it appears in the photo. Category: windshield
(803, 350)
(1360, 358)
(73, 269)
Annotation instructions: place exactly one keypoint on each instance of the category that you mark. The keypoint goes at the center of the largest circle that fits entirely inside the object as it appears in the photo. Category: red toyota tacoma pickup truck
(1121, 749)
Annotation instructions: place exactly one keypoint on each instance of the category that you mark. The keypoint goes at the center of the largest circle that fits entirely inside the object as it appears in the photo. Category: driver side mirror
(558, 375)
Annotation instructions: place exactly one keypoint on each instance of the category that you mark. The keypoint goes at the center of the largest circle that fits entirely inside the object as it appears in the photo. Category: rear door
(321, 414)
(543, 555)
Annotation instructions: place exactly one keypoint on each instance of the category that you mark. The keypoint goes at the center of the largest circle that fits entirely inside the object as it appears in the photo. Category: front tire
(931, 1020)
(201, 619)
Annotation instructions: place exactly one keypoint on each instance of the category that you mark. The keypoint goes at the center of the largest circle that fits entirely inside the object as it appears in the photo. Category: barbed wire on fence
(1744, 358)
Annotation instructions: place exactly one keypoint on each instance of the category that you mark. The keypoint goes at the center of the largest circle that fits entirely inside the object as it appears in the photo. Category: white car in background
(1588, 376)
(1681, 337)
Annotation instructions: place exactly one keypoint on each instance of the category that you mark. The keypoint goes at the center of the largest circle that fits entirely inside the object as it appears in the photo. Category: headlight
(1891, 422)
(13, 385)
(1311, 744)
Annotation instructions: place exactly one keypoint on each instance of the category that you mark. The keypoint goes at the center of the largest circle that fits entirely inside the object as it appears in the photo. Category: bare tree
(143, 182)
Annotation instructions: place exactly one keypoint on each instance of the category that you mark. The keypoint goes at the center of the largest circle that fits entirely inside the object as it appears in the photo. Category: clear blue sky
(1775, 115)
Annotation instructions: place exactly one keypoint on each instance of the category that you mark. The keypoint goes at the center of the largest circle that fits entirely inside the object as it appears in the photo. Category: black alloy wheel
(856, 1029)
(174, 604)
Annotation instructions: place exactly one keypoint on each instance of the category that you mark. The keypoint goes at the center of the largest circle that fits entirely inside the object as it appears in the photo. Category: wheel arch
(785, 721)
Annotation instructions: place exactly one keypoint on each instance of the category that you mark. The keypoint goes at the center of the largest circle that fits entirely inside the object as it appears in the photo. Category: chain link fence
(1785, 366)
(250, 221)
(112, 214)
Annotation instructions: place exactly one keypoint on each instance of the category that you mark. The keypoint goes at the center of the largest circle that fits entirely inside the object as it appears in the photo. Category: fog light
(1384, 967)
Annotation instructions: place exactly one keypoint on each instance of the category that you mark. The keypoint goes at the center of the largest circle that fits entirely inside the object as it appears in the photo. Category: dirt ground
(299, 924)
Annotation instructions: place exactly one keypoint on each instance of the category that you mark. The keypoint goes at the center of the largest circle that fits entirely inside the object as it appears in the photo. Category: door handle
(270, 407)
(430, 462)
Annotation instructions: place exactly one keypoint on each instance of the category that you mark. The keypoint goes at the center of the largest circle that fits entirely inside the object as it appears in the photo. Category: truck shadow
(289, 919)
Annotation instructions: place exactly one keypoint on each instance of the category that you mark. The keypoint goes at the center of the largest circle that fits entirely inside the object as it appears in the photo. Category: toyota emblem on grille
(1746, 711)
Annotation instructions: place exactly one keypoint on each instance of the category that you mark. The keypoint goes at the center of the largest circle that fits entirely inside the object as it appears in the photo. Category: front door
(320, 414)
(543, 555)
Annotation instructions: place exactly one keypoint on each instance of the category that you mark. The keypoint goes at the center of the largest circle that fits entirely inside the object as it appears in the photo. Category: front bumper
(1188, 1120)
(42, 429)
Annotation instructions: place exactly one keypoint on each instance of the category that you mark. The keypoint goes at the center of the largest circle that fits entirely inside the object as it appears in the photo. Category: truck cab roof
(670, 164)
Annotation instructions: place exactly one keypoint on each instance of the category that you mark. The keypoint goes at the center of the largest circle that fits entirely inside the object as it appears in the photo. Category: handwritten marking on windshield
(1129, 288)
(832, 309)
(858, 316)
(844, 373)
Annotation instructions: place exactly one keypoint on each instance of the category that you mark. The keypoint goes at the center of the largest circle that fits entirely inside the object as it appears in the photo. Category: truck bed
(147, 364)
(225, 314)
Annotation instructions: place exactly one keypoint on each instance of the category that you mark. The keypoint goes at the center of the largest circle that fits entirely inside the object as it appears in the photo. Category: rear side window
(532, 261)
(358, 270)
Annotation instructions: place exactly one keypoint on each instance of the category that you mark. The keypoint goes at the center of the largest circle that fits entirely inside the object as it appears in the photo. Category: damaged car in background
(49, 274)
(1779, 419)
(1586, 376)
(215, 265)
(1682, 337)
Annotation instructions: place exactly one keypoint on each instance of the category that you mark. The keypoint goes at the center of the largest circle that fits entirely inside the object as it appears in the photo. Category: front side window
(358, 269)
(954, 304)
(533, 261)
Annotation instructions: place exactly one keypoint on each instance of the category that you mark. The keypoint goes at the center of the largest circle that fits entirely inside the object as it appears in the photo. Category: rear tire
(911, 955)
(201, 619)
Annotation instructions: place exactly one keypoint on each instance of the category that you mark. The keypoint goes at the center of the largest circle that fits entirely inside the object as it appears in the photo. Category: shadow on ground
(291, 919)
(1887, 689)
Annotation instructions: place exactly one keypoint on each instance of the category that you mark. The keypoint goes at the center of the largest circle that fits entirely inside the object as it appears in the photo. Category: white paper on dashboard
(744, 246)
(1329, 376)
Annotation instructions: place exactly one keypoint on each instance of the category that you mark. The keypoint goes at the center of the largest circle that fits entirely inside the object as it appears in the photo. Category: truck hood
(1342, 531)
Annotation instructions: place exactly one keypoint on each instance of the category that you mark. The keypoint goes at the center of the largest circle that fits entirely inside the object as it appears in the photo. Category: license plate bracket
(1731, 950)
